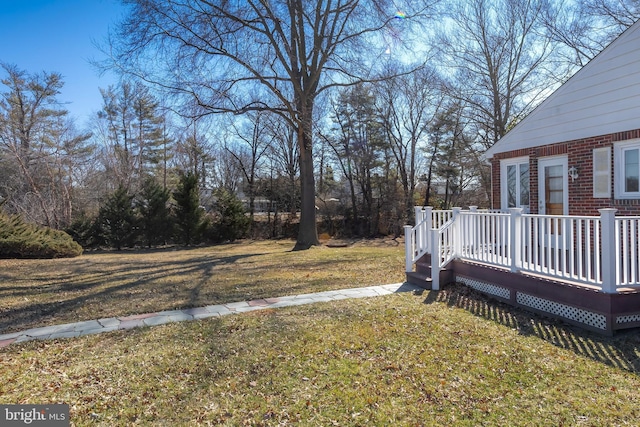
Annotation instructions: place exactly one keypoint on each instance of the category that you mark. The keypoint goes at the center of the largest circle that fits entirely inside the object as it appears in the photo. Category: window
(602, 172)
(515, 183)
(631, 170)
(627, 170)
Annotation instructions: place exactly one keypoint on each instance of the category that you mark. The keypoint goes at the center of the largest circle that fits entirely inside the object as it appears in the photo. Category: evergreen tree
(231, 222)
(189, 215)
(451, 155)
(152, 206)
(86, 230)
(149, 136)
(134, 132)
(117, 219)
(358, 143)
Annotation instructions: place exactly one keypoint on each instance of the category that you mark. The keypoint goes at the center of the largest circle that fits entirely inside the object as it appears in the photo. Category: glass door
(553, 192)
(553, 197)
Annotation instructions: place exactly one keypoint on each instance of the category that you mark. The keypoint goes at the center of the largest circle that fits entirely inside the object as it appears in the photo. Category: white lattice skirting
(484, 287)
(572, 313)
(628, 319)
(586, 317)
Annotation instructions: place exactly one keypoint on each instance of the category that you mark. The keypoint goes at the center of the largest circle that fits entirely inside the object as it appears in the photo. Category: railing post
(608, 249)
(515, 238)
(428, 212)
(419, 239)
(408, 248)
(472, 232)
(457, 232)
(434, 240)
(418, 213)
(427, 220)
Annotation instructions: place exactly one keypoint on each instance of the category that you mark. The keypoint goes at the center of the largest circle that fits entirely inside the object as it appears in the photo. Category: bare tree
(617, 15)
(40, 147)
(498, 52)
(252, 141)
(225, 171)
(284, 155)
(259, 55)
(407, 106)
(583, 28)
(196, 147)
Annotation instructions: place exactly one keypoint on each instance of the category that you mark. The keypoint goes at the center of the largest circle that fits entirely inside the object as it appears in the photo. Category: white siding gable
(601, 98)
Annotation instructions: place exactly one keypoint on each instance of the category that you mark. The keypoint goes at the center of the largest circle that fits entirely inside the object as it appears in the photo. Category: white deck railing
(597, 251)
(627, 229)
(419, 239)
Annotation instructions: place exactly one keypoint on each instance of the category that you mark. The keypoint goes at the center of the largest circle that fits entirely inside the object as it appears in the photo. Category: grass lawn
(437, 358)
(97, 285)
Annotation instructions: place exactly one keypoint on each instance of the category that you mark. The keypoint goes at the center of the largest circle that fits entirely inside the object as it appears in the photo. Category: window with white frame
(514, 180)
(627, 170)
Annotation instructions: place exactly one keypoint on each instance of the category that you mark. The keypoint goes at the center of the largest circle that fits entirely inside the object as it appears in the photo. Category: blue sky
(60, 36)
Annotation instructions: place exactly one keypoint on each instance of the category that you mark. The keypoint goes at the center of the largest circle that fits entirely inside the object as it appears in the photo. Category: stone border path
(71, 330)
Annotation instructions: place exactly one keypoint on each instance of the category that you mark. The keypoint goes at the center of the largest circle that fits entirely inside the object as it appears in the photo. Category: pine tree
(153, 208)
(358, 143)
(136, 135)
(117, 219)
(231, 223)
(188, 214)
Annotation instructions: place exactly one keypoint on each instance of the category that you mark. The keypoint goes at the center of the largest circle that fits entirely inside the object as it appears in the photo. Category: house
(579, 150)
(563, 236)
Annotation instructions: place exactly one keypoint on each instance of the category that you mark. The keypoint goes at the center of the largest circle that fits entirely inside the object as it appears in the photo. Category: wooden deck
(584, 270)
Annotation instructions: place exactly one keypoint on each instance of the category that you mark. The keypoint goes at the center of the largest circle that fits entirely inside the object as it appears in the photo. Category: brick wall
(580, 155)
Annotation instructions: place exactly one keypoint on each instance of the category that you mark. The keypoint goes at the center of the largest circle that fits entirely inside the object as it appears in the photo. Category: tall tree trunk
(307, 232)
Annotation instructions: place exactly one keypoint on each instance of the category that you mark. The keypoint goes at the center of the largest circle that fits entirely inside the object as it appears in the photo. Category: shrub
(86, 231)
(19, 239)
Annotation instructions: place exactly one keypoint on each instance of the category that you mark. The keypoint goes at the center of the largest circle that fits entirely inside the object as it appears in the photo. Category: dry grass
(447, 358)
(42, 292)
(439, 358)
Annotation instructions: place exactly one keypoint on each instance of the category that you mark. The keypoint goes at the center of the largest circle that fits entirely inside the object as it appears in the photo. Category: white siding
(601, 98)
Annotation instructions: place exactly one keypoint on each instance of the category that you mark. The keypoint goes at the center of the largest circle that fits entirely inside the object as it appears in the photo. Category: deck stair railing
(597, 251)
(419, 239)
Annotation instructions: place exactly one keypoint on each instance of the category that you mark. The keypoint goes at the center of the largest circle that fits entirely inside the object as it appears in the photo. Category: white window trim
(504, 163)
(618, 167)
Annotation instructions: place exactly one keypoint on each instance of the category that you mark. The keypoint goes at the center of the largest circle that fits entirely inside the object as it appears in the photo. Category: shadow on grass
(621, 350)
(99, 288)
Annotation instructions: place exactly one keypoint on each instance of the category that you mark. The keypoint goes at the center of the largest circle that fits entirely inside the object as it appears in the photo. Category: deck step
(423, 267)
(419, 279)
